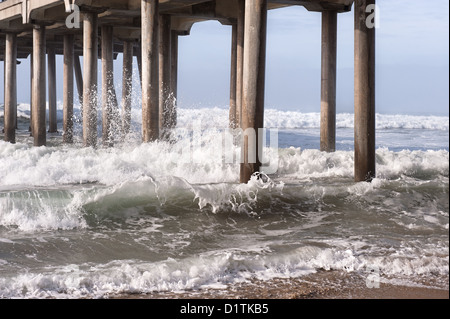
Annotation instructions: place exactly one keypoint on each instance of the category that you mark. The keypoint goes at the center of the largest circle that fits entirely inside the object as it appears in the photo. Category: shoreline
(322, 285)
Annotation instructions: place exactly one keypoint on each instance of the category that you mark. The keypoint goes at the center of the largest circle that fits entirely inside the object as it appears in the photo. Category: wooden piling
(68, 88)
(51, 67)
(364, 94)
(328, 82)
(109, 99)
(150, 69)
(253, 84)
(10, 82)
(38, 126)
(165, 109)
(232, 115)
(90, 57)
(127, 81)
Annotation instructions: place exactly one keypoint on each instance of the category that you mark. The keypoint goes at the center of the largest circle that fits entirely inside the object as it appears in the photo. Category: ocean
(161, 217)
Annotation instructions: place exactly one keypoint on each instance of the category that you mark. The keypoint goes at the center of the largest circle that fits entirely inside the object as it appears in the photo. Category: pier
(98, 30)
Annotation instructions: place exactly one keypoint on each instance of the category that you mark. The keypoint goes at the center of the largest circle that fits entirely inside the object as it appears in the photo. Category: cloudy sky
(412, 59)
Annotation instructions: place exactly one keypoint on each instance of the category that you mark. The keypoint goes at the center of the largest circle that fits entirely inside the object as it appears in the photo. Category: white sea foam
(208, 270)
(218, 118)
(48, 166)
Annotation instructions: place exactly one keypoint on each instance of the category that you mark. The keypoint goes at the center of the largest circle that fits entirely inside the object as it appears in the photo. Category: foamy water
(141, 218)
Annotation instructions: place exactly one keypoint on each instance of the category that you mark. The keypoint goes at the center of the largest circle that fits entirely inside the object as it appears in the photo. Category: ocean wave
(216, 117)
(215, 269)
(48, 166)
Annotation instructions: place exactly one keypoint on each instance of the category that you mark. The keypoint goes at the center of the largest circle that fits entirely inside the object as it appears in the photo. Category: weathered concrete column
(127, 81)
(10, 113)
(109, 99)
(90, 63)
(232, 115)
(150, 69)
(174, 77)
(328, 82)
(51, 66)
(139, 60)
(253, 84)
(364, 94)
(165, 109)
(30, 128)
(240, 60)
(79, 80)
(38, 91)
(68, 88)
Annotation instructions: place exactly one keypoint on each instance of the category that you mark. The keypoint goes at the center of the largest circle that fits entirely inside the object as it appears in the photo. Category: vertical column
(232, 116)
(240, 60)
(38, 91)
(165, 109)
(51, 66)
(253, 85)
(328, 82)
(68, 88)
(30, 129)
(364, 94)
(90, 56)
(109, 100)
(10, 83)
(139, 61)
(79, 80)
(127, 78)
(150, 70)
(174, 77)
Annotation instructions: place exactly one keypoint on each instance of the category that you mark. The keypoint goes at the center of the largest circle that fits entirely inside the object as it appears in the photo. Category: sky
(412, 61)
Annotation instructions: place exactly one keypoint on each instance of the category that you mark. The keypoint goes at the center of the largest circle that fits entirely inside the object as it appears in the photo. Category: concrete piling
(253, 84)
(10, 113)
(232, 115)
(90, 57)
(109, 99)
(78, 79)
(38, 126)
(364, 94)
(239, 59)
(328, 82)
(150, 69)
(127, 81)
(51, 67)
(30, 129)
(173, 78)
(165, 107)
(68, 71)
(10, 82)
